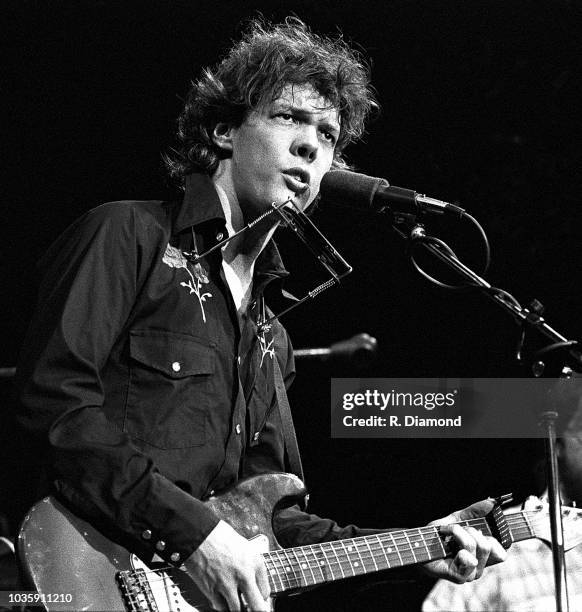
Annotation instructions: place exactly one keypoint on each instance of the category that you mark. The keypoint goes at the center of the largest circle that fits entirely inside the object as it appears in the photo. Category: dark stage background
(481, 105)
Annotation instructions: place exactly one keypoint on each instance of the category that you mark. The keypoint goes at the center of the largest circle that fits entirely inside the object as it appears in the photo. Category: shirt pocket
(169, 393)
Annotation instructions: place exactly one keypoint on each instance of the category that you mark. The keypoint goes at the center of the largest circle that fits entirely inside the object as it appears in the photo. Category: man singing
(144, 365)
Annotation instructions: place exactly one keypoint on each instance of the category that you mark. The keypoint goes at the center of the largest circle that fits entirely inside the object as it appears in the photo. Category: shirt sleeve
(92, 276)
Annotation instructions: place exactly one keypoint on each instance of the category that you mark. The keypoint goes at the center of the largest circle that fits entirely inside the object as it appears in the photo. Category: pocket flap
(175, 355)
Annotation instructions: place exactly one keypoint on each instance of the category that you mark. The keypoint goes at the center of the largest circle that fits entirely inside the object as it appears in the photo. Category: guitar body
(61, 554)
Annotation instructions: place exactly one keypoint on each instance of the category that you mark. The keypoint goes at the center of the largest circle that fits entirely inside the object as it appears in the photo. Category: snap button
(176, 366)
(238, 429)
(146, 535)
(161, 545)
(175, 557)
(256, 436)
(219, 236)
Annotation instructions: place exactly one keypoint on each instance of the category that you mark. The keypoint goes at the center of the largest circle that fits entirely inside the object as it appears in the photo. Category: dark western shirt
(150, 393)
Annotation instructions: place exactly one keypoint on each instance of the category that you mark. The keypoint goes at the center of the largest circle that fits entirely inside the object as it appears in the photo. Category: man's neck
(242, 251)
(240, 254)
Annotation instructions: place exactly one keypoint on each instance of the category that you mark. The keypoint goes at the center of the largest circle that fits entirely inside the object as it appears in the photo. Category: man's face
(282, 150)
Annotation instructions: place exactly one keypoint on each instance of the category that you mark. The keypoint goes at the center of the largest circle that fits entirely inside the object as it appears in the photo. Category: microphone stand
(529, 319)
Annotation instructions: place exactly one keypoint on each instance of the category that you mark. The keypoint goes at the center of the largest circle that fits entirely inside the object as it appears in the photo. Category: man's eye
(286, 116)
(330, 137)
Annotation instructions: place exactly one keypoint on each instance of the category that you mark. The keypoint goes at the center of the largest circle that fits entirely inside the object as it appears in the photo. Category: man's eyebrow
(305, 114)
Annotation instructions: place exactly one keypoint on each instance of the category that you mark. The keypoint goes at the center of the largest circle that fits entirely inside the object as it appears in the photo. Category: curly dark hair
(254, 73)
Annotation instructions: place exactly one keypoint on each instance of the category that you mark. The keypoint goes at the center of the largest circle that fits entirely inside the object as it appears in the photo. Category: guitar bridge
(136, 591)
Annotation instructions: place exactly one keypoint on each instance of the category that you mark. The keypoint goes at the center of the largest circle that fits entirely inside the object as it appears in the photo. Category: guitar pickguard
(156, 587)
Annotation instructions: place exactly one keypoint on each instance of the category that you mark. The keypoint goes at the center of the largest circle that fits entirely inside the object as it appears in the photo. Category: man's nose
(307, 143)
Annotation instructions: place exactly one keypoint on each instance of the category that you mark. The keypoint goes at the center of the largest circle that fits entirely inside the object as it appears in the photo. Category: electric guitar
(74, 567)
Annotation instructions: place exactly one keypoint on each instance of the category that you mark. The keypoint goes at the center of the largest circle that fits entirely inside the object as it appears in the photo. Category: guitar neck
(304, 566)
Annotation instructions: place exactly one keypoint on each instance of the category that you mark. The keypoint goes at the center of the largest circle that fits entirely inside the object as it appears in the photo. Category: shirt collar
(201, 204)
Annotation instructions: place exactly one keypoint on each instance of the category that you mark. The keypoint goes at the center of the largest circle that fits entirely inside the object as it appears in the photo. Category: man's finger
(497, 554)
(217, 602)
(253, 598)
(232, 598)
(476, 510)
(464, 566)
(263, 581)
(462, 538)
(483, 550)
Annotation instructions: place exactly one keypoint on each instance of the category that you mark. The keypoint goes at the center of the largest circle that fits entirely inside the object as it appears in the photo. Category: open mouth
(297, 181)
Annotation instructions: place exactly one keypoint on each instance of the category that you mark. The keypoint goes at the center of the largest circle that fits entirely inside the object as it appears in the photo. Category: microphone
(361, 191)
(360, 349)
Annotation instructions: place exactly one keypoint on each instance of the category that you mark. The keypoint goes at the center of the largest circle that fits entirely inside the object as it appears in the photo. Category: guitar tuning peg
(503, 500)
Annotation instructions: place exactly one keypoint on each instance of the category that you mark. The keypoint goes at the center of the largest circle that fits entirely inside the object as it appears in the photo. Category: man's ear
(222, 136)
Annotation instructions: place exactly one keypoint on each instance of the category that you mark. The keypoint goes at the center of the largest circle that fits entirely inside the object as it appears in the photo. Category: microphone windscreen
(350, 188)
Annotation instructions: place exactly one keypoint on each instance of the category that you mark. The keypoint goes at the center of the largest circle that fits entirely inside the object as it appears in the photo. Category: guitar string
(519, 518)
(300, 579)
(275, 557)
(393, 536)
(296, 581)
(376, 550)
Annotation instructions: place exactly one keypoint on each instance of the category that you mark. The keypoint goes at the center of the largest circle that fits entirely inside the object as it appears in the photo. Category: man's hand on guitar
(476, 550)
(225, 567)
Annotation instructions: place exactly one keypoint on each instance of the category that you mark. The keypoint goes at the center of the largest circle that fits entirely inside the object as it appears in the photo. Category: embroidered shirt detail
(174, 258)
(267, 348)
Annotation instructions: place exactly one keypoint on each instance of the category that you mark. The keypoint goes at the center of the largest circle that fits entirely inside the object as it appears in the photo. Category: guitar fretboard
(304, 566)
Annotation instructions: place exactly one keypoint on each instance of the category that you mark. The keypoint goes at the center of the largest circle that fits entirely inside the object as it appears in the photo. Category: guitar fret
(416, 539)
(396, 547)
(273, 572)
(328, 561)
(294, 581)
(300, 565)
(404, 549)
(383, 549)
(349, 554)
(371, 554)
(323, 563)
(411, 547)
(389, 549)
(309, 564)
(423, 540)
(337, 559)
(283, 575)
(287, 569)
(356, 563)
(438, 539)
